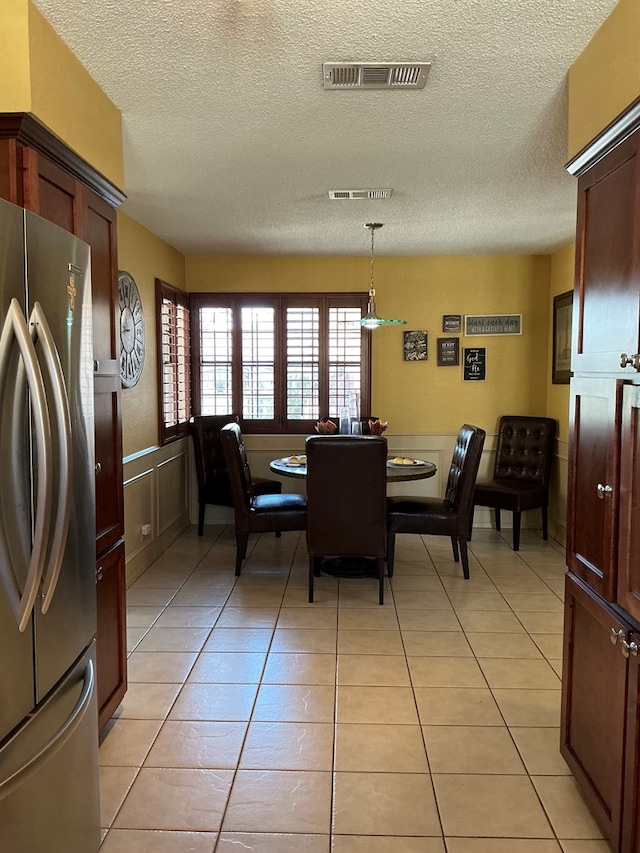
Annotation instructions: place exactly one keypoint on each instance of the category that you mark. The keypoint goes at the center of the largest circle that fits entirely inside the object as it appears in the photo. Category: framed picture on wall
(562, 320)
(448, 352)
(414, 346)
(474, 365)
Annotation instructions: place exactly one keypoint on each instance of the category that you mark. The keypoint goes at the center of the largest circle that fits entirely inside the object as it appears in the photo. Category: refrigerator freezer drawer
(49, 797)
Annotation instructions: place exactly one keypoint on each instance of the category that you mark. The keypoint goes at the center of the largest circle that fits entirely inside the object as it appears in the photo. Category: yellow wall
(15, 84)
(40, 75)
(146, 257)
(605, 78)
(420, 396)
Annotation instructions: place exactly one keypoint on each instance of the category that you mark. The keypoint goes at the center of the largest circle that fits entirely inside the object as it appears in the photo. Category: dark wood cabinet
(112, 668)
(600, 707)
(593, 498)
(607, 297)
(628, 586)
(594, 698)
(39, 173)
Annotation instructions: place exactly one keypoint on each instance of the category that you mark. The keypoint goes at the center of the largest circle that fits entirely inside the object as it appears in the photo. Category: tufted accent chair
(256, 513)
(211, 468)
(522, 470)
(449, 517)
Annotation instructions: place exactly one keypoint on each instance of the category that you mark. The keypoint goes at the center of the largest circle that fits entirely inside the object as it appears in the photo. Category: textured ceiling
(231, 143)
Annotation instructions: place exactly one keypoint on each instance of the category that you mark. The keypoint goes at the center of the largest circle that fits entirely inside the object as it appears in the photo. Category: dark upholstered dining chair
(211, 468)
(346, 501)
(256, 513)
(521, 472)
(450, 516)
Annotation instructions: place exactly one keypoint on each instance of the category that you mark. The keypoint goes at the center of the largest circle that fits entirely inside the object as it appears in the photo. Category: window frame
(179, 298)
(279, 301)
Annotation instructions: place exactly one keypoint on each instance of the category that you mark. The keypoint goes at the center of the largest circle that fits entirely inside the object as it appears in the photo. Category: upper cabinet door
(607, 294)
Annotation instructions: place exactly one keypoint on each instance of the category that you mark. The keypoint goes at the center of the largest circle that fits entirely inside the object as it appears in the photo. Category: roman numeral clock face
(131, 330)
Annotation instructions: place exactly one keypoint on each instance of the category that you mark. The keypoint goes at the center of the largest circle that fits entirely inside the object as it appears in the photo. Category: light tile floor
(255, 721)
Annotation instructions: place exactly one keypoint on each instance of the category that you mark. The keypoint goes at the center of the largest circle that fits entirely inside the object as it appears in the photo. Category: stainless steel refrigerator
(48, 714)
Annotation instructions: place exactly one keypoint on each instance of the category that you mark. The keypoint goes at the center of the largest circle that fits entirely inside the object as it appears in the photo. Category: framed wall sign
(452, 323)
(493, 324)
(474, 365)
(562, 319)
(448, 352)
(414, 346)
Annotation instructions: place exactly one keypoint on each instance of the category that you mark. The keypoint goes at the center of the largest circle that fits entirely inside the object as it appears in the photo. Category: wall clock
(131, 330)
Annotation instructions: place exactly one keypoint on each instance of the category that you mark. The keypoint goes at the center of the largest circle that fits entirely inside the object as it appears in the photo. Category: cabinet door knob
(614, 635)
(630, 359)
(98, 468)
(604, 491)
(628, 648)
(99, 573)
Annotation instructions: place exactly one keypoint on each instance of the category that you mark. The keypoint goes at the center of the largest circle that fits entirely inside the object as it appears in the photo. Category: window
(174, 363)
(280, 360)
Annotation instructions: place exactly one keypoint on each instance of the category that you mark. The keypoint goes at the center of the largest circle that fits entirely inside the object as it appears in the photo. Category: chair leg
(470, 524)
(497, 511)
(201, 508)
(311, 575)
(381, 562)
(391, 551)
(516, 531)
(454, 546)
(241, 550)
(545, 523)
(465, 557)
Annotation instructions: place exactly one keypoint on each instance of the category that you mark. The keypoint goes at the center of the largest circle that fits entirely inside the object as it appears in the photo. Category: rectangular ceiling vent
(355, 194)
(375, 75)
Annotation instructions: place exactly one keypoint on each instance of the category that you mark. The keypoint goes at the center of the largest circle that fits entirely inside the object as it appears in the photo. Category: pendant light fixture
(371, 319)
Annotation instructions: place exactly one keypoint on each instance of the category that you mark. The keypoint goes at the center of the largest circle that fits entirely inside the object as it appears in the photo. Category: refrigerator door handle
(56, 741)
(15, 330)
(41, 332)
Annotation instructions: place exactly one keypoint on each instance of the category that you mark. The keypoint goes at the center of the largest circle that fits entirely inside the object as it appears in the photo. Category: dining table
(397, 472)
(418, 469)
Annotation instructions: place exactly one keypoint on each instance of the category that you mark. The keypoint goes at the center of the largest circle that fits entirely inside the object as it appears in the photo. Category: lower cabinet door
(631, 820)
(594, 695)
(111, 638)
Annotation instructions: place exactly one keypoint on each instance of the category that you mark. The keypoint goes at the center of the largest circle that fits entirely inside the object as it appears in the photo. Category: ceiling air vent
(375, 75)
(354, 194)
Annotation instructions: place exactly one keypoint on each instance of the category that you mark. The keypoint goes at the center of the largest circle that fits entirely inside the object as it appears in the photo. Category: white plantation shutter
(281, 361)
(174, 390)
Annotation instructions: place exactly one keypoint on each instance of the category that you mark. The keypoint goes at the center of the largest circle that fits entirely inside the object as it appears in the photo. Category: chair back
(239, 472)
(346, 495)
(211, 467)
(525, 449)
(464, 471)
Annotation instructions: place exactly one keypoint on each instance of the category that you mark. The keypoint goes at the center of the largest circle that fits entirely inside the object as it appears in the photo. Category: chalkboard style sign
(414, 346)
(452, 323)
(448, 352)
(474, 366)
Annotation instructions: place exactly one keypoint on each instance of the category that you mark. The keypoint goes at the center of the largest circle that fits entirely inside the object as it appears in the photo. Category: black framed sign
(452, 323)
(562, 319)
(474, 365)
(448, 352)
(414, 346)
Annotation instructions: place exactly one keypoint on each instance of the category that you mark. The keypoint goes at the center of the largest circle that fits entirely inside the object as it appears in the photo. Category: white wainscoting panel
(156, 491)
